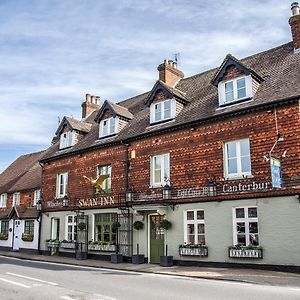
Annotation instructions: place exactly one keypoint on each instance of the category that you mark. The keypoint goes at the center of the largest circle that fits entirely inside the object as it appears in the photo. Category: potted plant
(116, 257)
(3, 236)
(166, 260)
(27, 237)
(138, 258)
(81, 226)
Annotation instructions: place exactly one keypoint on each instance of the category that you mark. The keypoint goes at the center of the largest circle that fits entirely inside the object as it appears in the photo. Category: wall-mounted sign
(192, 192)
(250, 187)
(275, 172)
(100, 201)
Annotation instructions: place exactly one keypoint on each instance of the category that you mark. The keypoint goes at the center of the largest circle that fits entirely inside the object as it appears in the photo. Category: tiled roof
(278, 67)
(81, 126)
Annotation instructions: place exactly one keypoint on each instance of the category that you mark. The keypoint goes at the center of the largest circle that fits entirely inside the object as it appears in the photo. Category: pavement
(253, 276)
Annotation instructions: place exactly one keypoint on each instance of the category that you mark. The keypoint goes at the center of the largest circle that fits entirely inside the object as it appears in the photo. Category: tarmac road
(21, 279)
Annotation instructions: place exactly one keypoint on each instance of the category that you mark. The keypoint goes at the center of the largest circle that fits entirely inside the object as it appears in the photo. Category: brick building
(216, 154)
(20, 186)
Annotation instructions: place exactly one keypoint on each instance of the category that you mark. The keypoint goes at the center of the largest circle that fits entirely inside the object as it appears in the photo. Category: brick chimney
(168, 72)
(90, 104)
(295, 26)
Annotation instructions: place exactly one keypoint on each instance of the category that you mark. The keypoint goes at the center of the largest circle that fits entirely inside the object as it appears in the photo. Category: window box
(67, 244)
(3, 236)
(193, 250)
(101, 247)
(245, 252)
(27, 237)
(52, 243)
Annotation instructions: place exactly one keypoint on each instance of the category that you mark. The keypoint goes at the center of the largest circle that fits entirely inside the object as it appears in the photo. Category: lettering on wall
(101, 201)
(250, 187)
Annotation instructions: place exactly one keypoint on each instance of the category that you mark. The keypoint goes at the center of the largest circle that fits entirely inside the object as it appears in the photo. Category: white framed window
(61, 185)
(194, 227)
(16, 199)
(108, 126)
(66, 139)
(237, 160)
(161, 111)
(3, 200)
(36, 197)
(71, 228)
(245, 226)
(235, 90)
(106, 184)
(160, 170)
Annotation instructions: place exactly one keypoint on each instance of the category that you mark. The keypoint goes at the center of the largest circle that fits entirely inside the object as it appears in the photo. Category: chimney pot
(295, 8)
(88, 97)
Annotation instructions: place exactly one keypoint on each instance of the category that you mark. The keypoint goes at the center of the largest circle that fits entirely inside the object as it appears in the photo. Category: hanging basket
(81, 226)
(165, 224)
(138, 225)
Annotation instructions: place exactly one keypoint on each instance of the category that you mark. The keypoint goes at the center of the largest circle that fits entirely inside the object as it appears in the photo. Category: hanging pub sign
(275, 172)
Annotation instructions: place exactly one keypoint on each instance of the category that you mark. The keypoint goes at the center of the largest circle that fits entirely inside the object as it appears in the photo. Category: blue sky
(54, 52)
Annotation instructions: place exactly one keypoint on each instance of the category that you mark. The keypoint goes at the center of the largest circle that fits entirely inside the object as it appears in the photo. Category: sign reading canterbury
(99, 201)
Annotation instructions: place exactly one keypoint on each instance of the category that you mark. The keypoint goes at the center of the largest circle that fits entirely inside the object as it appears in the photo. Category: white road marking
(31, 278)
(15, 283)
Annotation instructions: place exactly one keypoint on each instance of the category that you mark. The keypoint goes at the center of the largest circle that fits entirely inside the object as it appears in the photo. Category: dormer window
(66, 139)
(162, 111)
(235, 90)
(108, 127)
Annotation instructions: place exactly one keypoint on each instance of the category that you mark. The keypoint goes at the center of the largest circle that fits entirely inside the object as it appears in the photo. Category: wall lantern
(166, 192)
(212, 188)
(39, 206)
(65, 201)
(129, 196)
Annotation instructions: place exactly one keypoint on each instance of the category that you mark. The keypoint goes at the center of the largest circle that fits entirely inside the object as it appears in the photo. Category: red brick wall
(231, 73)
(295, 28)
(196, 155)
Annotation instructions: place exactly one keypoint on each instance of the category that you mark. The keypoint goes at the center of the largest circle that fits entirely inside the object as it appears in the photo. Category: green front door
(156, 239)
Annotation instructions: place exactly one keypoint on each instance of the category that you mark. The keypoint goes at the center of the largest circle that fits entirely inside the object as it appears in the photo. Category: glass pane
(241, 83)
(231, 150)
(201, 239)
(157, 176)
(253, 239)
(191, 239)
(241, 239)
(229, 86)
(239, 213)
(252, 212)
(190, 229)
(241, 88)
(240, 227)
(232, 166)
(200, 215)
(167, 109)
(241, 93)
(201, 228)
(190, 215)
(157, 110)
(166, 168)
(253, 227)
(245, 148)
(70, 219)
(246, 165)
(112, 125)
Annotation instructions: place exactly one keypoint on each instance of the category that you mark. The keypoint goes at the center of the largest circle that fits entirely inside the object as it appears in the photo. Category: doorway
(16, 235)
(157, 238)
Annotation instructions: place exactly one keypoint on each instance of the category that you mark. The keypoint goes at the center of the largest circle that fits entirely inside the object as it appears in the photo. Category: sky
(53, 52)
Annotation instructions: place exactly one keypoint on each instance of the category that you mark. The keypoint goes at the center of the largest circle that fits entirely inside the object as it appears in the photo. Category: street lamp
(39, 206)
(129, 196)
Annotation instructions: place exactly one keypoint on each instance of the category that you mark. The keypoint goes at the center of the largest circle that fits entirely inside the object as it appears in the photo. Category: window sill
(235, 102)
(238, 177)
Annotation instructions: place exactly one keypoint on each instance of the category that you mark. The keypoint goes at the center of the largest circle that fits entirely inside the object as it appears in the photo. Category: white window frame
(59, 184)
(110, 130)
(163, 157)
(240, 173)
(3, 200)
(36, 196)
(73, 224)
(222, 93)
(162, 118)
(245, 220)
(67, 139)
(194, 222)
(106, 184)
(16, 199)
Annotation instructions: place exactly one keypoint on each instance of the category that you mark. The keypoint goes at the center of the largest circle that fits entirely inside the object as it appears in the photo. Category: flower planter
(138, 259)
(166, 261)
(193, 251)
(67, 245)
(4, 237)
(245, 253)
(27, 238)
(105, 248)
(52, 244)
(116, 258)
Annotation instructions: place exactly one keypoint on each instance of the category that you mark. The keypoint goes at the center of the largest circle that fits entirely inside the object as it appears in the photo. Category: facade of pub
(215, 154)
